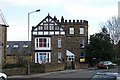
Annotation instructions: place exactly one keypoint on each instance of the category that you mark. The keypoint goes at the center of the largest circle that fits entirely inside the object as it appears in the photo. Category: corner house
(59, 45)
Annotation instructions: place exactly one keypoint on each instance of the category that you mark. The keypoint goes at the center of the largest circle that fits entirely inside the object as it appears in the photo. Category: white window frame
(71, 30)
(59, 57)
(82, 30)
(59, 42)
(38, 57)
(82, 41)
(48, 43)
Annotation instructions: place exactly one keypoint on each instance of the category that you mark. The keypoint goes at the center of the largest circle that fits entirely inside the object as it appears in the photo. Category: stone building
(59, 44)
(3, 39)
(17, 51)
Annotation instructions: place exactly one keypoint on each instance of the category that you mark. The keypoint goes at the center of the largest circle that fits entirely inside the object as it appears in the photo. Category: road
(68, 74)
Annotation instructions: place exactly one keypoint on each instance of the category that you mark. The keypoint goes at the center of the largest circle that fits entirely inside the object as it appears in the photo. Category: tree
(100, 47)
(113, 26)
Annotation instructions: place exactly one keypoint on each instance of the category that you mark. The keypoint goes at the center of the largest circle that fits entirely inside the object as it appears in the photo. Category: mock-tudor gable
(48, 26)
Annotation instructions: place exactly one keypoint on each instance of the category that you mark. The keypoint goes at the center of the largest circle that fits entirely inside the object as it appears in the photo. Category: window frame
(43, 45)
(82, 41)
(71, 30)
(82, 30)
(59, 42)
(42, 57)
(59, 57)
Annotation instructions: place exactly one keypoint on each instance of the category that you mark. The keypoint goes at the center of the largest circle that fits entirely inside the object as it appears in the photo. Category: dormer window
(71, 30)
(8, 46)
(15, 46)
(25, 46)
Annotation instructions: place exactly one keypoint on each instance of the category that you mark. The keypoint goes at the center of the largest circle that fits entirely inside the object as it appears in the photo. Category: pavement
(41, 74)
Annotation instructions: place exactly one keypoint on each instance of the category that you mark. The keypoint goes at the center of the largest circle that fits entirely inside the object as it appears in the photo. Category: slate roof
(18, 47)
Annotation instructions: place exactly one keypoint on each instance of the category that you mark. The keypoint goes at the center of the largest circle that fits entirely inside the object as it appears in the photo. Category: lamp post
(29, 20)
(28, 35)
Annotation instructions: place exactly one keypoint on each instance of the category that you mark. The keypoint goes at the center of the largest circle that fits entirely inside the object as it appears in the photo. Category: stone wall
(81, 65)
(15, 71)
(54, 67)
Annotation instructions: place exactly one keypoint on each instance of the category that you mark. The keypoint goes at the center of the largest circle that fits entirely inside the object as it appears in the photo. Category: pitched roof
(2, 20)
(18, 47)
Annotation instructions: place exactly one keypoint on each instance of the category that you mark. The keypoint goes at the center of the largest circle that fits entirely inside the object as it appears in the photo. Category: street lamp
(29, 20)
(28, 35)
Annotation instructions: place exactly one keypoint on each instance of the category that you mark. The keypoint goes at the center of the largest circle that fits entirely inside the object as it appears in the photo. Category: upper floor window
(40, 27)
(82, 43)
(82, 31)
(56, 27)
(59, 42)
(71, 30)
(51, 27)
(45, 26)
(42, 42)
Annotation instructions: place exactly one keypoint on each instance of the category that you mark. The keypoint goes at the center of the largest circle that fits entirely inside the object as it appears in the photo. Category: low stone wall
(38, 68)
(41, 68)
(54, 67)
(15, 71)
(81, 65)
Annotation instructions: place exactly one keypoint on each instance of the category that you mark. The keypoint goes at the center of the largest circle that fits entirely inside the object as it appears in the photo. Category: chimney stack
(62, 19)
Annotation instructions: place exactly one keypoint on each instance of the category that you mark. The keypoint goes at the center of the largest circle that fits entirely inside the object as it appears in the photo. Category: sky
(96, 12)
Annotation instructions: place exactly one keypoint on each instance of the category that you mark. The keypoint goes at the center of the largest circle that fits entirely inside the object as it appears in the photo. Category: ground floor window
(82, 57)
(42, 57)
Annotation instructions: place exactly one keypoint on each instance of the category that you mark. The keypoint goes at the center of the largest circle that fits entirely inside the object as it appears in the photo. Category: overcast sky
(16, 13)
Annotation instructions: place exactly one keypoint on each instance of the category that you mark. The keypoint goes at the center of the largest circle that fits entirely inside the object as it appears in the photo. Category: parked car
(105, 76)
(3, 76)
(105, 64)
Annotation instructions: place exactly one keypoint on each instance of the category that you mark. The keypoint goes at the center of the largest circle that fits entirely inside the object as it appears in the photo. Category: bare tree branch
(113, 26)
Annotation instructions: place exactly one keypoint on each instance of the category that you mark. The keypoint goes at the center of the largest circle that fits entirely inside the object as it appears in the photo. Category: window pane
(56, 27)
(51, 27)
(45, 26)
(40, 40)
(44, 40)
(82, 43)
(71, 30)
(59, 42)
(44, 44)
(40, 27)
(81, 30)
(82, 55)
(59, 55)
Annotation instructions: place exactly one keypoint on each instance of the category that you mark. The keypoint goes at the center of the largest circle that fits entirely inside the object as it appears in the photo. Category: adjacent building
(17, 51)
(3, 39)
(59, 44)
